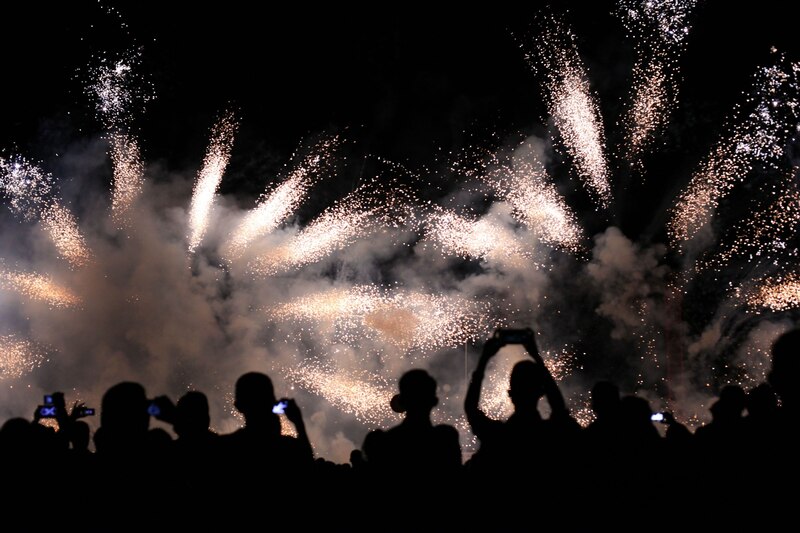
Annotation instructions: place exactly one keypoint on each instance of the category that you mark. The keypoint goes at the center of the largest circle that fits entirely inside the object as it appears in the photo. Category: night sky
(405, 83)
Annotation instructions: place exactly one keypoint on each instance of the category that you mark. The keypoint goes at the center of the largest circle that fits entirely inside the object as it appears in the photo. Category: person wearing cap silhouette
(414, 448)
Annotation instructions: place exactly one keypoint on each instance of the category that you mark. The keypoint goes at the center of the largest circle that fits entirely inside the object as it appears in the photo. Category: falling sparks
(777, 293)
(26, 185)
(128, 176)
(759, 138)
(274, 207)
(486, 239)
(407, 320)
(37, 287)
(573, 107)
(767, 233)
(62, 227)
(364, 396)
(659, 28)
(19, 357)
(209, 177)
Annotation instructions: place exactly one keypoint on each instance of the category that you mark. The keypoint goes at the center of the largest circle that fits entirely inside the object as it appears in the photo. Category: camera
(514, 336)
(84, 411)
(280, 407)
(659, 417)
(49, 409)
(153, 409)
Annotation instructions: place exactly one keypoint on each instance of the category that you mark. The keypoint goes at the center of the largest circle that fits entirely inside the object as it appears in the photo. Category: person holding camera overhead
(516, 447)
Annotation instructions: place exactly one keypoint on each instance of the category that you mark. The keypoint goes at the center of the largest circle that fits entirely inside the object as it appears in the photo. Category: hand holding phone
(280, 407)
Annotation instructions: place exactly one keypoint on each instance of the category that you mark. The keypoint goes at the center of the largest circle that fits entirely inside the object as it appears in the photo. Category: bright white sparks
(62, 227)
(363, 395)
(758, 138)
(128, 176)
(27, 187)
(276, 206)
(485, 239)
(407, 320)
(37, 287)
(777, 293)
(659, 29)
(209, 178)
(19, 357)
(573, 107)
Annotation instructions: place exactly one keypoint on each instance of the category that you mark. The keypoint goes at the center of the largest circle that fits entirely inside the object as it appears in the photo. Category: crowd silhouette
(619, 470)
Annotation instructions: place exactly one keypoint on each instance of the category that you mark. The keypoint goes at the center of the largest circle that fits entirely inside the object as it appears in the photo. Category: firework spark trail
(760, 137)
(19, 357)
(364, 396)
(767, 233)
(208, 179)
(659, 29)
(128, 176)
(62, 227)
(777, 293)
(484, 239)
(407, 320)
(571, 104)
(37, 287)
(331, 305)
(274, 207)
(362, 213)
(118, 89)
(26, 185)
(535, 202)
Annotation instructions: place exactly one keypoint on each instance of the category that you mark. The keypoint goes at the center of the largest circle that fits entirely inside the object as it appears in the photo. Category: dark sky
(406, 82)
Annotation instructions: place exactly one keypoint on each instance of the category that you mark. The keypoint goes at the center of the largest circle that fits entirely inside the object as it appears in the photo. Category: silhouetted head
(124, 410)
(16, 434)
(731, 403)
(417, 393)
(191, 414)
(527, 383)
(79, 434)
(255, 395)
(785, 374)
(605, 399)
(762, 401)
(635, 412)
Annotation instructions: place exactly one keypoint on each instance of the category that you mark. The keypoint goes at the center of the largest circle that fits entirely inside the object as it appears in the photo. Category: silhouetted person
(415, 462)
(725, 432)
(258, 449)
(124, 421)
(192, 420)
(785, 374)
(604, 429)
(415, 448)
(515, 447)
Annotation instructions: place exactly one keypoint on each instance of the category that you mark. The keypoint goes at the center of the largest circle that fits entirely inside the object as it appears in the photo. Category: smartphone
(658, 417)
(153, 409)
(48, 399)
(86, 411)
(514, 336)
(47, 411)
(280, 407)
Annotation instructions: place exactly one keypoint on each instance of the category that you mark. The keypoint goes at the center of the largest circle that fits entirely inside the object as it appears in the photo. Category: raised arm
(558, 406)
(295, 416)
(477, 419)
